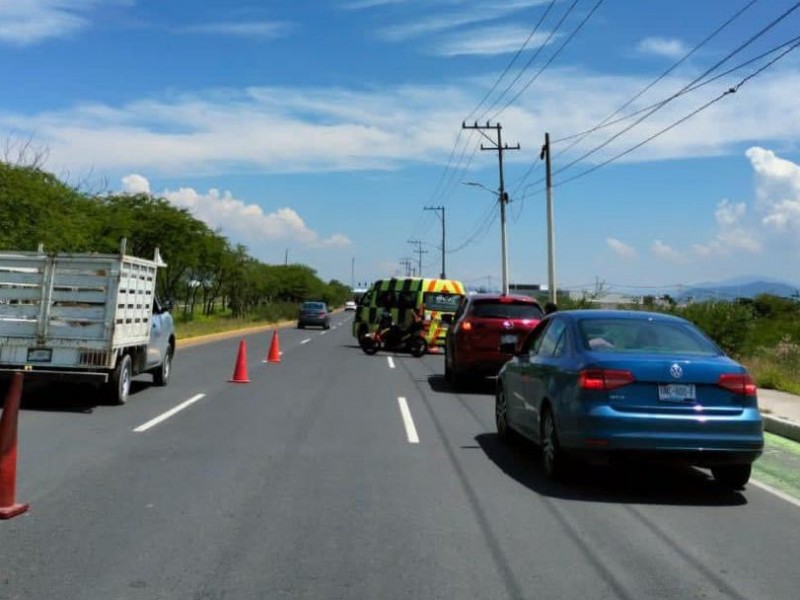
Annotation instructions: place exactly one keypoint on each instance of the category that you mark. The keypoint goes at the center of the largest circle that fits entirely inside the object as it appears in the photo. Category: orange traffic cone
(8, 451)
(274, 352)
(240, 372)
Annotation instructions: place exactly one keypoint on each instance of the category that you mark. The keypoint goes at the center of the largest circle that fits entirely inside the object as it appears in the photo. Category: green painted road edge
(779, 465)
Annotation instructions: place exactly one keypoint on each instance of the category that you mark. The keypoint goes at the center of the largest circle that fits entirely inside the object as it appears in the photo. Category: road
(316, 481)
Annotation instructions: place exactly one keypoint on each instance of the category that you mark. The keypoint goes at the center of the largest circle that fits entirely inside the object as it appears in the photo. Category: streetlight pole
(440, 209)
(503, 199)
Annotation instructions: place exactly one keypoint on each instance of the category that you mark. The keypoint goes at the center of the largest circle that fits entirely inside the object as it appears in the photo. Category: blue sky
(321, 129)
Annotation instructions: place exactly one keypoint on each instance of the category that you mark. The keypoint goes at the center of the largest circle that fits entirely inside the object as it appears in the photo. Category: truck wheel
(162, 372)
(119, 386)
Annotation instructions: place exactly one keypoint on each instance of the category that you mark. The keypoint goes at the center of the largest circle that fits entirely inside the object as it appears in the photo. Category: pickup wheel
(119, 386)
(161, 374)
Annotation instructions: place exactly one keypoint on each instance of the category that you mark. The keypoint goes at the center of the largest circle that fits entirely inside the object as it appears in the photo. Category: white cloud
(666, 251)
(135, 184)
(240, 220)
(731, 233)
(777, 190)
(273, 129)
(263, 29)
(488, 41)
(479, 12)
(669, 48)
(622, 249)
(25, 22)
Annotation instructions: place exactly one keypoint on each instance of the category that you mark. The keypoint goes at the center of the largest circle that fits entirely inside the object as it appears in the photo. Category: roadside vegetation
(214, 285)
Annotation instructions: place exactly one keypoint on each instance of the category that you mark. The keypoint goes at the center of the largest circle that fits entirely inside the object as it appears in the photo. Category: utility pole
(440, 209)
(353, 273)
(419, 252)
(406, 262)
(551, 251)
(497, 146)
(286, 258)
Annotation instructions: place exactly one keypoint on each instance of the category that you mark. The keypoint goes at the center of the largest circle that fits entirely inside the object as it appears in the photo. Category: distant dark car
(631, 385)
(482, 323)
(315, 314)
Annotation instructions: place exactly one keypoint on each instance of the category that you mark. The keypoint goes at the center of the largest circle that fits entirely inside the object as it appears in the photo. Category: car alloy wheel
(551, 452)
(501, 414)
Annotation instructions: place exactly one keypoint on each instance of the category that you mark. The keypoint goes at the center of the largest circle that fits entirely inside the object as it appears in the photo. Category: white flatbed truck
(84, 317)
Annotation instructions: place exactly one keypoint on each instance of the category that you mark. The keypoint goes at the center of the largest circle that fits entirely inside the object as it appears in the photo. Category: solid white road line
(776, 492)
(168, 414)
(305, 341)
(390, 360)
(411, 431)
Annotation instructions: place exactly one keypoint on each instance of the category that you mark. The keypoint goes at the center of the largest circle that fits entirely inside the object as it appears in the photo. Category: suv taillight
(738, 383)
(604, 379)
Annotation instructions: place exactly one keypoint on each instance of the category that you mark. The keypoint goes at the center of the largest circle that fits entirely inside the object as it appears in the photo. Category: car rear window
(313, 306)
(644, 335)
(442, 301)
(494, 309)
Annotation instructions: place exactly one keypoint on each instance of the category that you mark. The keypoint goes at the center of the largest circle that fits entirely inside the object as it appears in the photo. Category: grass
(776, 368)
(200, 325)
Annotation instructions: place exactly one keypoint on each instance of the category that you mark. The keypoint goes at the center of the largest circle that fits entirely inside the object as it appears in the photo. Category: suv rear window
(494, 309)
(313, 306)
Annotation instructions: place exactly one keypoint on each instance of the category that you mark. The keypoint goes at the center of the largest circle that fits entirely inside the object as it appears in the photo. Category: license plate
(676, 392)
(508, 339)
(40, 355)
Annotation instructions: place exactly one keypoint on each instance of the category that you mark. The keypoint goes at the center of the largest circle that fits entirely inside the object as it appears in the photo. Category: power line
(727, 92)
(685, 57)
(513, 60)
(528, 64)
(691, 89)
(682, 91)
(552, 58)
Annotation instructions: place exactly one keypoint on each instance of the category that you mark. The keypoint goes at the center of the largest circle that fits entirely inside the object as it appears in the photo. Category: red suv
(482, 323)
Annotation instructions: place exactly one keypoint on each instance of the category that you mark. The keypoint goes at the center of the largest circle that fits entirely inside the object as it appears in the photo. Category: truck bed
(73, 309)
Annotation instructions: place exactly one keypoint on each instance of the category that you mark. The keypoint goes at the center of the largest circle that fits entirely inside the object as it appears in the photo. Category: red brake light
(466, 326)
(604, 379)
(738, 383)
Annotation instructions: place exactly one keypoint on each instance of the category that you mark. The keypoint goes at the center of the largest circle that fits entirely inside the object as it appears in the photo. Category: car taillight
(466, 326)
(604, 379)
(738, 383)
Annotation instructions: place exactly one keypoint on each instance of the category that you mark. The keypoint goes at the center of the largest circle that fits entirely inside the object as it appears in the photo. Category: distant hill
(738, 288)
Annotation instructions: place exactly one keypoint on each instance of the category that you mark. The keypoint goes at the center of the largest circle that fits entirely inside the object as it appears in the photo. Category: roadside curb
(782, 427)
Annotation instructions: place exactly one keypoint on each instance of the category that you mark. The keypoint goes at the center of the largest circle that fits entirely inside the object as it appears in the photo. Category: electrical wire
(581, 136)
(519, 52)
(529, 63)
(681, 92)
(727, 92)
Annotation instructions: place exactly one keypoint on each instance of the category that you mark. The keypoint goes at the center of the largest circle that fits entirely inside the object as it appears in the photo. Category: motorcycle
(394, 339)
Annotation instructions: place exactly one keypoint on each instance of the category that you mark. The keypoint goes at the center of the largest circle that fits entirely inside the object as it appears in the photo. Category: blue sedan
(630, 384)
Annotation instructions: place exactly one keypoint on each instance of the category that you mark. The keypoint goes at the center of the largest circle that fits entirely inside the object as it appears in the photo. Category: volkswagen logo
(676, 371)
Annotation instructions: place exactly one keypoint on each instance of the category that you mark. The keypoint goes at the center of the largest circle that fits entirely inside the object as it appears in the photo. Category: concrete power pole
(419, 251)
(551, 251)
(502, 196)
(440, 209)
